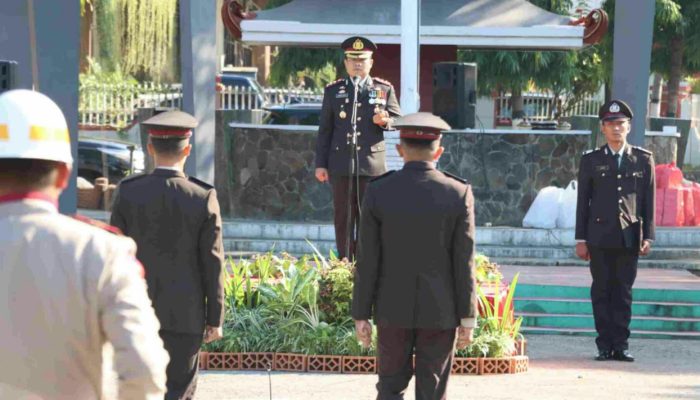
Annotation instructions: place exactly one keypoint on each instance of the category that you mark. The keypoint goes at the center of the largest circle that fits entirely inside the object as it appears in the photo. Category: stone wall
(507, 170)
(269, 174)
(665, 148)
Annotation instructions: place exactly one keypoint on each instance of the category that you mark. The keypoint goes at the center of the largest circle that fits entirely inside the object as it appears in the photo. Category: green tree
(137, 37)
(575, 74)
(676, 47)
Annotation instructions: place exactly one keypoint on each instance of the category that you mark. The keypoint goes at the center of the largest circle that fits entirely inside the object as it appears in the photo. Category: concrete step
(566, 253)
(541, 305)
(682, 238)
(293, 247)
(581, 292)
(643, 334)
(687, 264)
(667, 324)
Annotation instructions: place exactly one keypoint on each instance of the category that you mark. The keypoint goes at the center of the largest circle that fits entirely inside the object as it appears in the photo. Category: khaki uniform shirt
(67, 289)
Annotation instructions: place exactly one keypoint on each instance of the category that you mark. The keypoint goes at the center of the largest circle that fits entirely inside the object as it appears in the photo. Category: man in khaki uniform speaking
(176, 223)
(66, 287)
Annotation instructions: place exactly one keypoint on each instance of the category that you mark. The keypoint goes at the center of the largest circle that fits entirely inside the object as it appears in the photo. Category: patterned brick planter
(224, 361)
(495, 365)
(203, 360)
(359, 365)
(290, 362)
(519, 364)
(325, 363)
(257, 361)
(465, 366)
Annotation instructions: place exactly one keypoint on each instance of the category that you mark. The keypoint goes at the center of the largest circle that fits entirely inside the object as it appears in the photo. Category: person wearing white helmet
(66, 288)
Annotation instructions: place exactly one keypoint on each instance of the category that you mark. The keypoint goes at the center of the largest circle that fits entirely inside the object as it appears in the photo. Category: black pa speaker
(454, 93)
(8, 75)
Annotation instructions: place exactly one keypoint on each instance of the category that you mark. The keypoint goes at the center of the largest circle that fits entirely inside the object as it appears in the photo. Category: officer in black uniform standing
(376, 107)
(176, 223)
(614, 225)
(415, 265)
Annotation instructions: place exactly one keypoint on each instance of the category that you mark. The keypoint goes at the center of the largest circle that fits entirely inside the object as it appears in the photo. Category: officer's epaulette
(383, 81)
(334, 82)
(454, 177)
(200, 183)
(643, 150)
(98, 224)
(132, 178)
(384, 175)
(587, 152)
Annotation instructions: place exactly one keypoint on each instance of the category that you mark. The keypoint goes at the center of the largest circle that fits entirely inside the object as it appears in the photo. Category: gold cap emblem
(358, 45)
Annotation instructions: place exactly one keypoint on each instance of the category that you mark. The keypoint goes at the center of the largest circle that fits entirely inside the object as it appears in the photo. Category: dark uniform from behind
(176, 224)
(333, 150)
(615, 219)
(414, 268)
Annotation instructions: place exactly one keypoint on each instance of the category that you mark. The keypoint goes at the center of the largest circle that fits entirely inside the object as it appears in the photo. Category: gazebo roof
(465, 23)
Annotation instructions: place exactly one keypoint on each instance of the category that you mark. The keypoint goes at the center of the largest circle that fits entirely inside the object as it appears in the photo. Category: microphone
(355, 80)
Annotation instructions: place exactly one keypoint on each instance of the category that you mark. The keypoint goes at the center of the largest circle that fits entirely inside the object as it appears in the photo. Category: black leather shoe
(603, 355)
(622, 355)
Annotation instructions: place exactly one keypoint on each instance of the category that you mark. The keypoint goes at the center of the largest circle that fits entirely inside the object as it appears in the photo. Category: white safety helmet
(33, 127)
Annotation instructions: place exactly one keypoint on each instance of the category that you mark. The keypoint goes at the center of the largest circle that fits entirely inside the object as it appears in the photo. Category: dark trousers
(433, 349)
(339, 185)
(181, 372)
(613, 272)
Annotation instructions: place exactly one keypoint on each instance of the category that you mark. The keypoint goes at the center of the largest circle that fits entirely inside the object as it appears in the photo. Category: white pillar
(410, 56)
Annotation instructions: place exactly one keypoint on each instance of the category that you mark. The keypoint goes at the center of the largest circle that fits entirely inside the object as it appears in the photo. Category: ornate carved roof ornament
(232, 14)
(595, 26)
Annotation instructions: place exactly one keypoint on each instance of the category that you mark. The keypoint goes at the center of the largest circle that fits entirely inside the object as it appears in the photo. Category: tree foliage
(574, 73)
(135, 36)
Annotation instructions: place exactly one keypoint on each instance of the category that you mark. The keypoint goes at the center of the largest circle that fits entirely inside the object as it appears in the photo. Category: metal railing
(116, 106)
(249, 98)
(538, 106)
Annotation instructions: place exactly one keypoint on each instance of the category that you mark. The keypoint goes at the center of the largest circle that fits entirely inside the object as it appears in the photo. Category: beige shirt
(67, 289)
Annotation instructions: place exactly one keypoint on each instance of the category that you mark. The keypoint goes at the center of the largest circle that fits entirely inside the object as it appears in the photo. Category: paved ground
(561, 368)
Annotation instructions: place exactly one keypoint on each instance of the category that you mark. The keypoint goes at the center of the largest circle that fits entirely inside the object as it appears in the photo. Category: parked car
(116, 156)
(293, 114)
(246, 83)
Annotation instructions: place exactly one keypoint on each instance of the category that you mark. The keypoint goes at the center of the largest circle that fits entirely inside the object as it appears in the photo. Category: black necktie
(617, 160)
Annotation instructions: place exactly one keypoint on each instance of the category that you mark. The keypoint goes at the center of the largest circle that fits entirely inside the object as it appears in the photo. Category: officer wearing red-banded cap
(176, 223)
(414, 272)
(614, 225)
(68, 287)
(377, 106)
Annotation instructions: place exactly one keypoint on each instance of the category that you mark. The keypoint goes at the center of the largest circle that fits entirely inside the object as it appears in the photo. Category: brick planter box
(465, 366)
(203, 360)
(359, 365)
(490, 366)
(257, 361)
(325, 363)
(348, 364)
(519, 364)
(290, 362)
(224, 361)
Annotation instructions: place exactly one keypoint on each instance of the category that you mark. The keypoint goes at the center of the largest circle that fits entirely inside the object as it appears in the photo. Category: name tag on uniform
(602, 168)
(341, 95)
(638, 174)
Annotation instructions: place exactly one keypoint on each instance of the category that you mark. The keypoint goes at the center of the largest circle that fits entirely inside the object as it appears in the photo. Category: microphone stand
(352, 168)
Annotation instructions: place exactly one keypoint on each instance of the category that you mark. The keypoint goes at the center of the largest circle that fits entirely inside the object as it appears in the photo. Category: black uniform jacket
(176, 223)
(332, 144)
(416, 252)
(615, 206)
